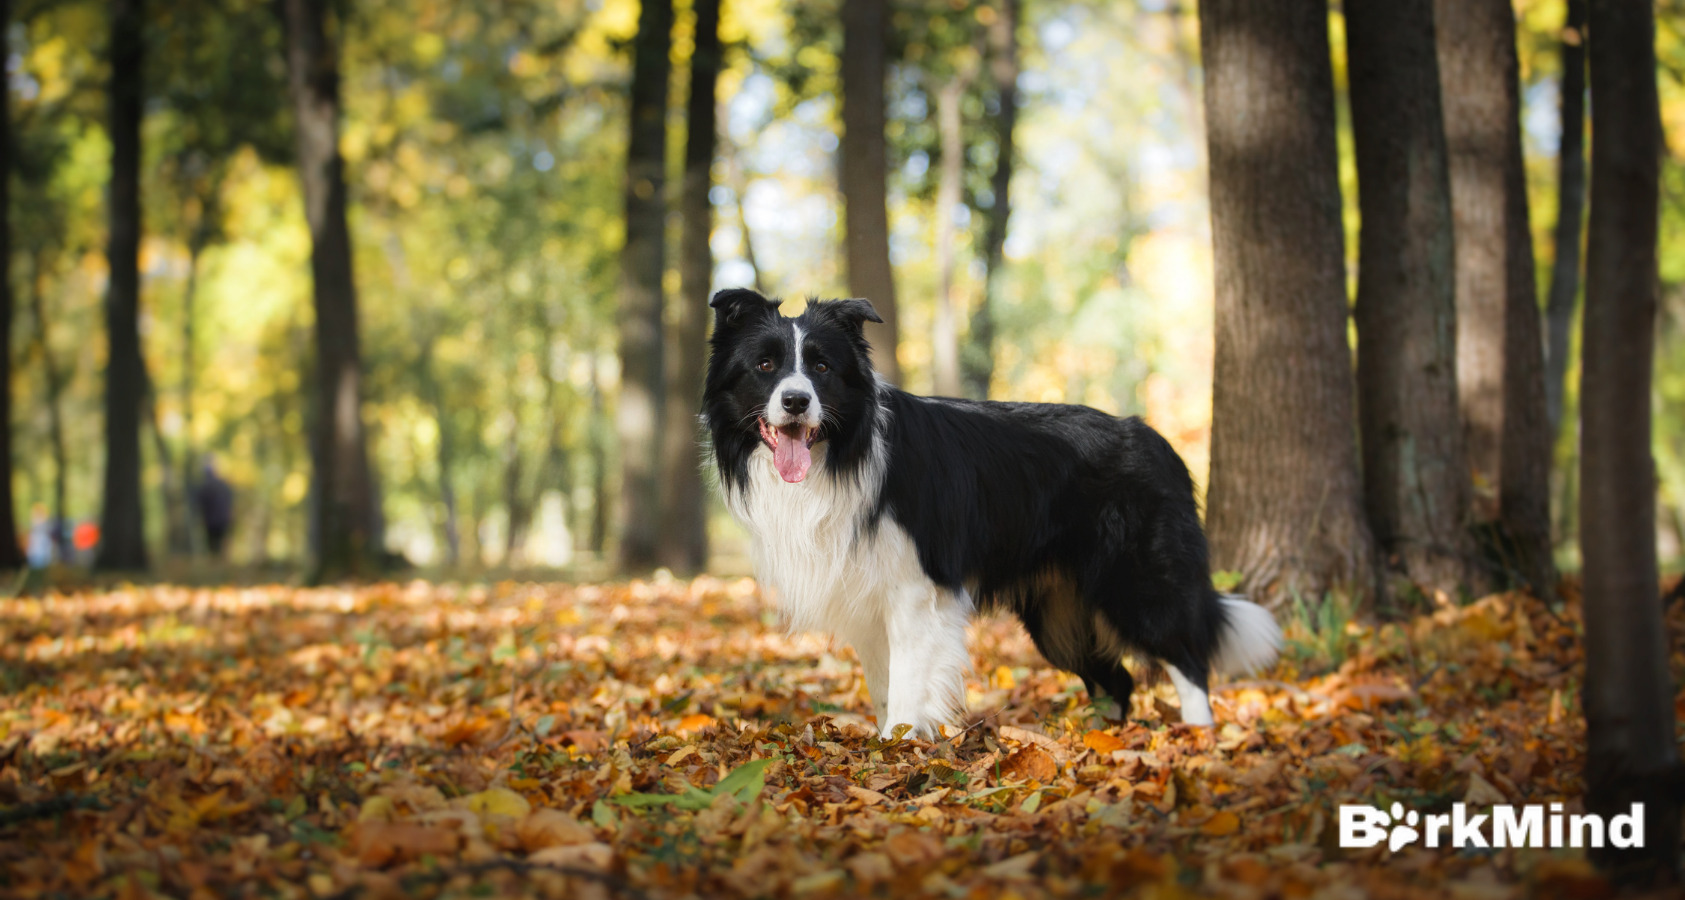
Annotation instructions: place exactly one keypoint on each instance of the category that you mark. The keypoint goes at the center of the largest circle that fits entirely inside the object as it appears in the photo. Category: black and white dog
(886, 519)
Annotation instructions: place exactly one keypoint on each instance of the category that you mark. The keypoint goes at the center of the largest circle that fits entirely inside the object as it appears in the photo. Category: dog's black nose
(794, 402)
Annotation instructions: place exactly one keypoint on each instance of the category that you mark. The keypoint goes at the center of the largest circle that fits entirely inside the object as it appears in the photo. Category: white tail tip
(1251, 639)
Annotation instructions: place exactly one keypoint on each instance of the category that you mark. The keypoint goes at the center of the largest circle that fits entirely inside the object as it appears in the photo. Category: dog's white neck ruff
(831, 570)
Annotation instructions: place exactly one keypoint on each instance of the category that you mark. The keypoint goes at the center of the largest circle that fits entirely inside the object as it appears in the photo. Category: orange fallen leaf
(695, 722)
(1102, 743)
(1223, 823)
(380, 843)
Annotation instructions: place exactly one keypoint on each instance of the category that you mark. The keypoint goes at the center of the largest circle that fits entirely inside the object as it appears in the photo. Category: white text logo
(1363, 826)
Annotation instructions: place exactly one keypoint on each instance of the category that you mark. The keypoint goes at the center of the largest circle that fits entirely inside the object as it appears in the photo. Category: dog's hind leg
(1191, 687)
(1069, 637)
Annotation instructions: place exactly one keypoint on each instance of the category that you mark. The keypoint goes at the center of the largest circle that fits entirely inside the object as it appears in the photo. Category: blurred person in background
(213, 500)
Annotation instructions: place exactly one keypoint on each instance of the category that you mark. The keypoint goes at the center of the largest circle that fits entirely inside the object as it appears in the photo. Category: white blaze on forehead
(796, 382)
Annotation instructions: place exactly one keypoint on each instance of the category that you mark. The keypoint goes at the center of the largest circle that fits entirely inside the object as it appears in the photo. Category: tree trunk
(865, 176)
(739, 184)
(344, 499)
(1414, 477)
(1571, 195)
(11, 556)
(122, 536)
(189, 360)
(1631, 754)
(945, 338)
(1500, 369)
(684, 533)
(643, 260)
(176, 501)
(598, 539)
(1285, 505)
(979, 360)
(55, 412)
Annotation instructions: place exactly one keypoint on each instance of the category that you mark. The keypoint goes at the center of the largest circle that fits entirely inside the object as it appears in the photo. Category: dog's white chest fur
(830, 571)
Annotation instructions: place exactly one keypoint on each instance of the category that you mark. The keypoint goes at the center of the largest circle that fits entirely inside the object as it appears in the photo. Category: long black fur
(1015, 502)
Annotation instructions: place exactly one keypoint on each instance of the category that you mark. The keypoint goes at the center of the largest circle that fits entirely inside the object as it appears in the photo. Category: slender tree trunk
(1631, 752)
(1415, 479)
(1571, 195)
(514, 501)
(684, 533)
(1500, 368)
(344, 496)
(54, 379)
(175, 500)
(945, 338)
(1285, 505)
(11, 555)
(739, 184)
(598, 540)
(865, 174)
(444, 453)
(122, 535)
(643, 260)
(979, 360)
(189, 361)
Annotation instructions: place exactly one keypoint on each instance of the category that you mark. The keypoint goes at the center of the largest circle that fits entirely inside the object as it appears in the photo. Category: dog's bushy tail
(1250, 639)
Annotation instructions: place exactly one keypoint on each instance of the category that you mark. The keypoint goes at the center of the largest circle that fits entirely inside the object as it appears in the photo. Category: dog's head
(785, 384)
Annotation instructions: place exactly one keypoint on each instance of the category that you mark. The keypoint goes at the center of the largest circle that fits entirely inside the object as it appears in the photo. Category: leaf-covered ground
(670, 740)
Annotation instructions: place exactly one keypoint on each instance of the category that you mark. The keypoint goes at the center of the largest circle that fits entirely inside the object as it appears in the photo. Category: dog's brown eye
(765, 365)
(821, 368)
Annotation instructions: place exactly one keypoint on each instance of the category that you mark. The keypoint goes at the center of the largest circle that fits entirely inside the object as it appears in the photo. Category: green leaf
(603, 816)
(744, 782)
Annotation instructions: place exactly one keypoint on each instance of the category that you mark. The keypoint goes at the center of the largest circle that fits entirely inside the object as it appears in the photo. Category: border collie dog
(887, 519)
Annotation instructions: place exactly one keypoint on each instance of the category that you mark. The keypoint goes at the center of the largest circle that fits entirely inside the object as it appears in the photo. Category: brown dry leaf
(913, 848)
(381, 843)
(1029, 764)
(552, 828)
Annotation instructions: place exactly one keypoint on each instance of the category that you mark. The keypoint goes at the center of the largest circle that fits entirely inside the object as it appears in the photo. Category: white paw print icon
(1403, 831)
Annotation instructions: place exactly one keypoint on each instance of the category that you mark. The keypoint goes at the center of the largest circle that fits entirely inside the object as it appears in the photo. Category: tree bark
(979, 360)
(54, 379)
(1285, 505)
(1571, 195)
(643, 260)
(865, 176)
(122, 526)
(945, 338)
(11, 556)
(1628, 695)
(684, 533)
(344, 513)
(1414, 475)
(1500, 367)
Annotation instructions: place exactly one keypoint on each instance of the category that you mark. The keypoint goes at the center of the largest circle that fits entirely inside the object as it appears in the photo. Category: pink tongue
(792, 458)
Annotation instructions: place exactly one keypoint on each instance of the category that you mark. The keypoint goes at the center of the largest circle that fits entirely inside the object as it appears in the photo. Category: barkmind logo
(1363, 826)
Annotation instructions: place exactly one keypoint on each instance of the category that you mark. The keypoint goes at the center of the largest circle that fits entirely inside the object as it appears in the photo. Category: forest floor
(670, 740)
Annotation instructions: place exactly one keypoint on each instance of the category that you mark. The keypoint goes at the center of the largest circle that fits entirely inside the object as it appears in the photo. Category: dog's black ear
(854, 312)
(733, 306)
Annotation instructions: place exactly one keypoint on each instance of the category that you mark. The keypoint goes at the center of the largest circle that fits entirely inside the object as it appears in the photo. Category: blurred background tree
(1046, 233)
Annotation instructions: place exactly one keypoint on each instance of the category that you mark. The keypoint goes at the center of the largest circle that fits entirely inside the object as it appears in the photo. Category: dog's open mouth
(792, 448)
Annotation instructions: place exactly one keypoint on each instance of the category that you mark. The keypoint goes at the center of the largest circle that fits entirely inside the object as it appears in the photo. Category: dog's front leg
(871, 643)
(925, 626)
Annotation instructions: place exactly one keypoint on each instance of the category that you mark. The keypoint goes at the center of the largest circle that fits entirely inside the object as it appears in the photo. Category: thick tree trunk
(11, 556)
(945, 336)
(1571, 195)
(979, 360)
(1285, 505)
(344, 539)
(1500, 368)
(1631, 752)
(643, 260)
(865, 176)
(122, 536)
(55, 411)
(1414, 476)
(684, 533)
